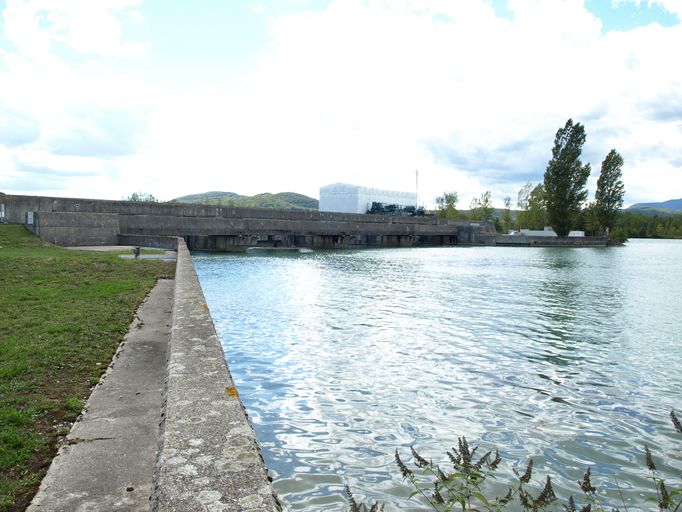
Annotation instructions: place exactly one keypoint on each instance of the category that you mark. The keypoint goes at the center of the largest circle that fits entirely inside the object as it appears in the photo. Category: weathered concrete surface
(108, 461)
(158, 242)
(208, 459)
(67, 228)
(64, 220)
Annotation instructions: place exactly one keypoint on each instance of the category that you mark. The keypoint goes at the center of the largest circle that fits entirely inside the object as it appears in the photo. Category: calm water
(571, 356)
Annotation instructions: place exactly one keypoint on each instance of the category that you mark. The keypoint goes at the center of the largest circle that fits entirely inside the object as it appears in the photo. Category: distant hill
(282, 200)
(670, 207)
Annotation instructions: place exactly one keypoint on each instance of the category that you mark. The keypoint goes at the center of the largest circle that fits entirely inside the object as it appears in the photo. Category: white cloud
(87, 27)
(67, 118)
(362, 92)
(644, 179)
(398, 80)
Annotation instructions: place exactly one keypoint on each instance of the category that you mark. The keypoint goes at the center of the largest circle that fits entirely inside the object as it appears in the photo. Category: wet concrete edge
(208, 458)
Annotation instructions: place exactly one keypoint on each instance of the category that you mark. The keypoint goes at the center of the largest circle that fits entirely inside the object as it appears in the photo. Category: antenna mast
(416, 177)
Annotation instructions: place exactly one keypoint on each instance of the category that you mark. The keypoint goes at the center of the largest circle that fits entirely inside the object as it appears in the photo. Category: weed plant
(465, 485)
(63, 313)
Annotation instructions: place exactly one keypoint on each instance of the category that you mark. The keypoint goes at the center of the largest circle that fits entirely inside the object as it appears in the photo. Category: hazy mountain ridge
(281, 200)
(671, 206)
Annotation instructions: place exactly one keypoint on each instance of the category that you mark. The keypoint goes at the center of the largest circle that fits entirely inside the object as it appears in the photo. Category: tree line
(638, 225)
(560, 200)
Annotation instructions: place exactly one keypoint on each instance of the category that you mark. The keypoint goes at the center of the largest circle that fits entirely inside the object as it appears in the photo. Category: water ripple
(342, 357)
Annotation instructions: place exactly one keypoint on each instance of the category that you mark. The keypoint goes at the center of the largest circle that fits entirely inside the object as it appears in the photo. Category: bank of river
(566, 355)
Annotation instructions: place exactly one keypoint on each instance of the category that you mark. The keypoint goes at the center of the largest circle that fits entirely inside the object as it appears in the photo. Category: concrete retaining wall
(158, 242)
(71, 229)
(209, 458)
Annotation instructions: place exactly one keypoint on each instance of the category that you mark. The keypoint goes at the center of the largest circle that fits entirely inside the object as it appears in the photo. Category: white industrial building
(342, 197)
(548, 232)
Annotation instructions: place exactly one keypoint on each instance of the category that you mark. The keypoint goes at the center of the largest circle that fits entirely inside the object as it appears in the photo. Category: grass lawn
(62, 315)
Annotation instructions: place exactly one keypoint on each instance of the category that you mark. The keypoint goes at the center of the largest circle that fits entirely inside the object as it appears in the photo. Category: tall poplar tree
(566, 178)
(610, 189)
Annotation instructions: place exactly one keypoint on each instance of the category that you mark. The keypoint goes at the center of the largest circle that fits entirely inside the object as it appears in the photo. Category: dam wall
(71, 229)
(208, 458)
(169, 243)
(70, 221)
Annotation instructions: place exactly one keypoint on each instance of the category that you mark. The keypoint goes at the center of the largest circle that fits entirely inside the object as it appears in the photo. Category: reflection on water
(565, 355)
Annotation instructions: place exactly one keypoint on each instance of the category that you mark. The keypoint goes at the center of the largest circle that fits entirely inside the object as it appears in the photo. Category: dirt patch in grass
(62, 315)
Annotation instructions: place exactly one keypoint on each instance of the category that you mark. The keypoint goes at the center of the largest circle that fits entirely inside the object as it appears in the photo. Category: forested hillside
(282, 200)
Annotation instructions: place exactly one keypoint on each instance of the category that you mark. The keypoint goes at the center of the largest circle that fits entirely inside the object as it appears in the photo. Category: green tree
(590, 219)
(446, 206)
(141, 197)
(482, 207)
(537, 211)
(506, 215)
(566, 178)
(522, 204)
(522, 201)
(635, 224)
(533, 214)
(610, 190)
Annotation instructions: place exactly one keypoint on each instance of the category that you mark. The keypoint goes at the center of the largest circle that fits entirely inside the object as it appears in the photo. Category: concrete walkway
(102, 248)
(155, 255)
(108, 460)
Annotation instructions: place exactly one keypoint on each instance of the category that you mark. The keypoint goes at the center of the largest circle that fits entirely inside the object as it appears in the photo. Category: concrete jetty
(208, 458)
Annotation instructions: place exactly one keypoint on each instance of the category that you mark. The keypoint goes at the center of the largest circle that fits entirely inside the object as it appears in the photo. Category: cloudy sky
(102, 98)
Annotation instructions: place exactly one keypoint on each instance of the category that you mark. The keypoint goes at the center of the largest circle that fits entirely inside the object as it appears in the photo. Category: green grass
(62, 315)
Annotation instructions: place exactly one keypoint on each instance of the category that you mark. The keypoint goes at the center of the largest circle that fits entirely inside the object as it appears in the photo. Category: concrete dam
(74, 222)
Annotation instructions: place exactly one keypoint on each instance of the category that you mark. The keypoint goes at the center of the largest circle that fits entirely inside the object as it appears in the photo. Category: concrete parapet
(209, 458)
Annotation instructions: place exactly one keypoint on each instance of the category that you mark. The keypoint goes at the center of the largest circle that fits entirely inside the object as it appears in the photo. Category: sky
(103, 98)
